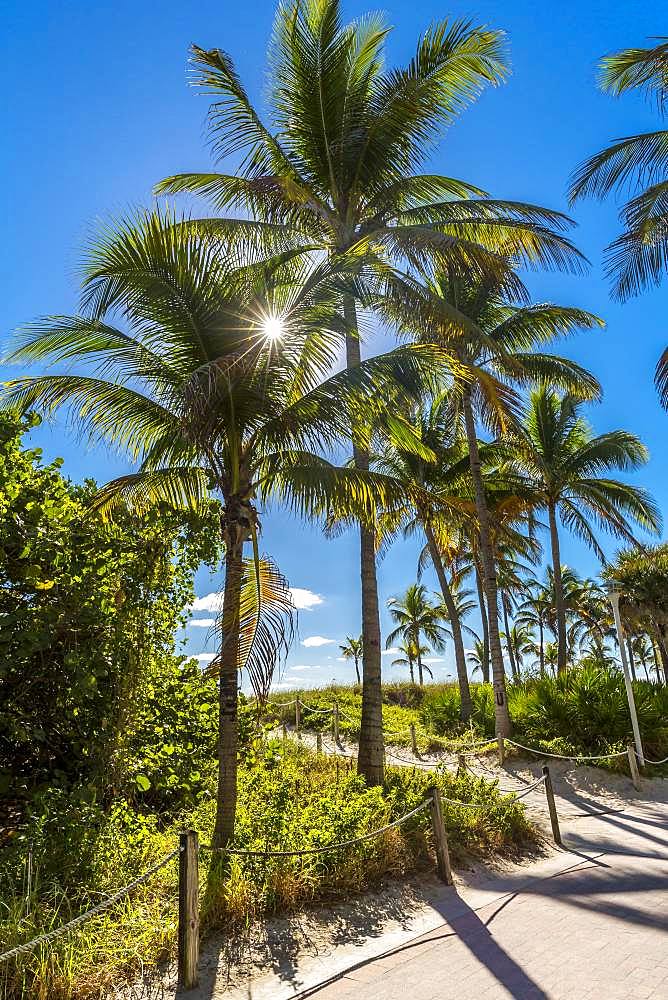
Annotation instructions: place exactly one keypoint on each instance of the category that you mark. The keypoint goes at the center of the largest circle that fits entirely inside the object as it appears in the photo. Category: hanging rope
(572, 756)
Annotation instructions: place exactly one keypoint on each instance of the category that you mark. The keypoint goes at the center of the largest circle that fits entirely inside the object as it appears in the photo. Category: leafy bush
(86, 607)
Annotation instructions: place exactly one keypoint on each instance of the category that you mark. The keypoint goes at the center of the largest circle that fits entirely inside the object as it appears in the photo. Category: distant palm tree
(412, 652)
(639, 164)
(352, 650)
(476, 656)
(562, 462)
(519, 638)
(415, 616)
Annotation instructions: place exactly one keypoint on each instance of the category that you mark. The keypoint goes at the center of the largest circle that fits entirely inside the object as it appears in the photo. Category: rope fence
(82, 918)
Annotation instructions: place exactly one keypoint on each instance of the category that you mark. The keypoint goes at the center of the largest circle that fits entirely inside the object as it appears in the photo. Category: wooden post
(318, 743)
(633, 766)
(551, 805)
(414, 745)
(298, 717)
(285, 737)
(461, 763)
(502, 750)
(188, 958)
(335, 721)
(440, 838)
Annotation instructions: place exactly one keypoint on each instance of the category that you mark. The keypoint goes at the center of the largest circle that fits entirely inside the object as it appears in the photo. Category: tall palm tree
(562, 461)
(438, 501)
(497, 350)
(415, 616)
(216, 384)
(351, 649)
(336, 170)
(638, 164)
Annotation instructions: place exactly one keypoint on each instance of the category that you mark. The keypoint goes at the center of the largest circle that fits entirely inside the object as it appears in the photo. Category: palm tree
(533, 614)
(476, 656)
(496, 352)
(352, 650)
(519, 638)
(336, 171)
(639, 164)
(562, 461)
(202, 393)
(411, 652)
(438, 499)
(643, 652)
(415, 616)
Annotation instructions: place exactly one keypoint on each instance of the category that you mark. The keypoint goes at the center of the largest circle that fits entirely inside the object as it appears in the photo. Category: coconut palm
(562, 461)
(351, 649)
(497, 350)
(411, 653)
(438, 501)
(336, 171)
(639, 165)
(415, 616)
(519, 638)
(476, 656)
(533, 612)
(218, 384)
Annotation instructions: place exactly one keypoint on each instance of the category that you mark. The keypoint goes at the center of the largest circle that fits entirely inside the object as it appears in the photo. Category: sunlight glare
(272, 328)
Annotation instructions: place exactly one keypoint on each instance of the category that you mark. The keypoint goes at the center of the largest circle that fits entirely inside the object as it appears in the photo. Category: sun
(273, 328)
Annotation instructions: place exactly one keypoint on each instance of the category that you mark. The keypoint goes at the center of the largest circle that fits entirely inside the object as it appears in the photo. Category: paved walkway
(588, 922)
(597, 929)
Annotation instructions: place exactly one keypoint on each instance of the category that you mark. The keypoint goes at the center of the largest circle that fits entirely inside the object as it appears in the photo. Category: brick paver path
(595, 931)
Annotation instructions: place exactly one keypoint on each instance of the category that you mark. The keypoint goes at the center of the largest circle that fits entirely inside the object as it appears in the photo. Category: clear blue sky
(97, 109)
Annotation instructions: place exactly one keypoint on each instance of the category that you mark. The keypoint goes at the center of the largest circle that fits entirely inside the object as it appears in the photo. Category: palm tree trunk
(370, 755)
(663, 652)
(562, 650)
(226, 802)
(503, 724)
(410, 667)
(455, 624)
(541, 636)
(419, 664)
(357, 668)
(509, 645)
(484, 666)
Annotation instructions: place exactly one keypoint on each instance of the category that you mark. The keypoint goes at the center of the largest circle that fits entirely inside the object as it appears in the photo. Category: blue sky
(97, 109)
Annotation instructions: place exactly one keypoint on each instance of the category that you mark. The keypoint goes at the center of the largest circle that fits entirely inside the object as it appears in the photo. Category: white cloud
(204, 657)
(392, 651)
(318, 640)
(305, 600)
(287, 682)
(201, 623)
(433, 659)
(341, 659)
(306, 666)
(210, 602)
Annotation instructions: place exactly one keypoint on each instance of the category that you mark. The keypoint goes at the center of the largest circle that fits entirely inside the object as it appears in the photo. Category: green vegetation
(583, 711)
(289, 799)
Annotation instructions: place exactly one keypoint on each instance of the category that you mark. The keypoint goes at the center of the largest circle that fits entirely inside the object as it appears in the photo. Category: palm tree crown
(415, 616)
(638, 163)
(563, 464)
